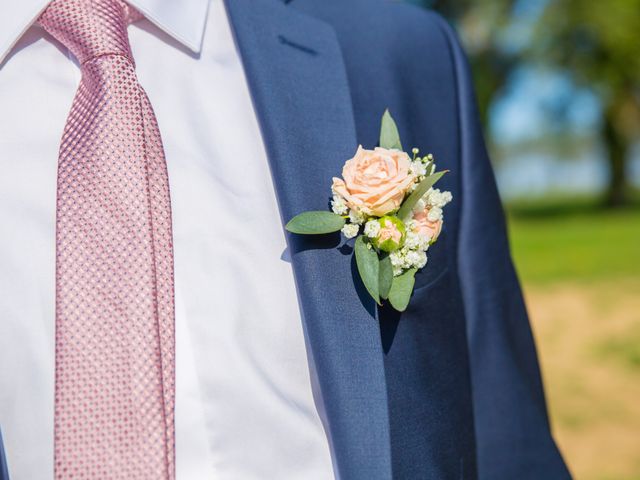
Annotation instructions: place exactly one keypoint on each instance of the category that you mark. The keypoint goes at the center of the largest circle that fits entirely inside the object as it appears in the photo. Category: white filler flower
(356, 216)
(350, 230)
(372, 228)
(338, 206)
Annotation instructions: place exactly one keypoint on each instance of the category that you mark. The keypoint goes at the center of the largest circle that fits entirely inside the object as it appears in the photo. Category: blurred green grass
(574, 239)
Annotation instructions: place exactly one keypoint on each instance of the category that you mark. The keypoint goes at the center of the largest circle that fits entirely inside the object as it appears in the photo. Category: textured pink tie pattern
(114, 387)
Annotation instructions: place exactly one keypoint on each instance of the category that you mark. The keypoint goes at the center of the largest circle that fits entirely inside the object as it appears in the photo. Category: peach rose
(427, 227)
(375, 181)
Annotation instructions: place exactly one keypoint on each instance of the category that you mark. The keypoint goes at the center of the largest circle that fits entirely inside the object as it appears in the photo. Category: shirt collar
(184, 20)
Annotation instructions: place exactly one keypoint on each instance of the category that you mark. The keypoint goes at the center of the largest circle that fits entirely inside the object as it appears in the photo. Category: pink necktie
(114, 387)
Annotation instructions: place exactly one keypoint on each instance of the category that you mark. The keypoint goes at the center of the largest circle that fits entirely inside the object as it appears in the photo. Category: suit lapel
(296, 74)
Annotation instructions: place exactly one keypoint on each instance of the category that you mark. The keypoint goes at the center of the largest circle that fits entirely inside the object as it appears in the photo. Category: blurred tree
(598, 43)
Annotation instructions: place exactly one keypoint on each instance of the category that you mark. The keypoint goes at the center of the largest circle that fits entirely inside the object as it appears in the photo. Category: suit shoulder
(393, 22)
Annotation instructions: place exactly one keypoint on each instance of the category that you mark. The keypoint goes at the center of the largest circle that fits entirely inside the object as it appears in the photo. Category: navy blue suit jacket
(450, 389)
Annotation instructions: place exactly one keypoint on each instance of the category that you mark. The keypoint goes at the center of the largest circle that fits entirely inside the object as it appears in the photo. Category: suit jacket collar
(300, 91)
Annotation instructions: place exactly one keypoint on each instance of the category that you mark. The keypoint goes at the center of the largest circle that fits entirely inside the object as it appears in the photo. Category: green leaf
(389, 136)
(385, 276)
(368, 266)
(401, 290)
(417, 194)
(315, 222)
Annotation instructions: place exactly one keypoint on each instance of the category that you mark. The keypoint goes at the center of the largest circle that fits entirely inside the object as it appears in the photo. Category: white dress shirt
(247, 404)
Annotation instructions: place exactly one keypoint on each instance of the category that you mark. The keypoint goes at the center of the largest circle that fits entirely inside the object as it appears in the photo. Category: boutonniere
(386, 201)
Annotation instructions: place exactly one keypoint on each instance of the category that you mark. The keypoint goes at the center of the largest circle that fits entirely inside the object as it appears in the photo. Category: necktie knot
(90, 28)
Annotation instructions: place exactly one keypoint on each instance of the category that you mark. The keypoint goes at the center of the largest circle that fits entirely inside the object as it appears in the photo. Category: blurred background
(558, 85)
